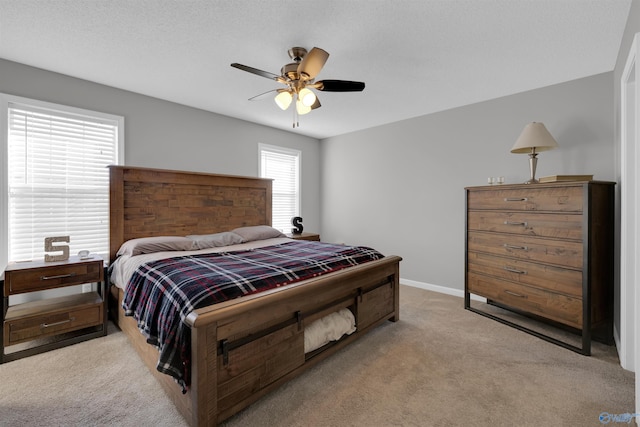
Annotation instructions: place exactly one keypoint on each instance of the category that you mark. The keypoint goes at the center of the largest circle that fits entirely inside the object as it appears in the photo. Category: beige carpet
(439, 366)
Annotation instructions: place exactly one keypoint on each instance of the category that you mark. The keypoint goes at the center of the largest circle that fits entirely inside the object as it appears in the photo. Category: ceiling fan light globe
(301, 108)
(307, 97)
(283, 100)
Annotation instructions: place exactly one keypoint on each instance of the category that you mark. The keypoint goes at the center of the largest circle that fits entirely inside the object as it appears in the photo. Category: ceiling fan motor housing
(290, 71)
(297, 53)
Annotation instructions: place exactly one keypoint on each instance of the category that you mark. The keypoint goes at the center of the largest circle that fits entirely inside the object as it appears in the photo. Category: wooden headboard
(155, 202)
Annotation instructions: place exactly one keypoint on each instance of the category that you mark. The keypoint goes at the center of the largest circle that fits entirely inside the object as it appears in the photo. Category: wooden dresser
(545, 251)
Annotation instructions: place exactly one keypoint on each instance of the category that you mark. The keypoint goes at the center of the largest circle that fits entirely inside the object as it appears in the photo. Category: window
(56, 181)
(283, 166)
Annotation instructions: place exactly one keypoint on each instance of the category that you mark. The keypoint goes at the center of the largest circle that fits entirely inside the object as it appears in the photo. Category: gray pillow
(147, 245)
(257, 232)
(205, 241)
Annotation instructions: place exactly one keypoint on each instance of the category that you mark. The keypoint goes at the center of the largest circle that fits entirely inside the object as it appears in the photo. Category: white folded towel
(329, 328)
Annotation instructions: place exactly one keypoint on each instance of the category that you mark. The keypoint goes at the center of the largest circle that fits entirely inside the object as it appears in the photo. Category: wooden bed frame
(243, 348)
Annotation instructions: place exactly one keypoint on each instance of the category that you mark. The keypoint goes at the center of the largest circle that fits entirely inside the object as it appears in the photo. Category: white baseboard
(440, 289)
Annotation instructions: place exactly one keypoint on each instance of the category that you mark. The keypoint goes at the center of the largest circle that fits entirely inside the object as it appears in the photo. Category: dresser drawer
(548, 251)
(55, 276)
(556, 279)
(550, 305)
(25, 329)
(557, 226)
(561, 199)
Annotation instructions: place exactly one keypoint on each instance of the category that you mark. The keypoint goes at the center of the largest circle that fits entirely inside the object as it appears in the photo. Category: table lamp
(534, 138)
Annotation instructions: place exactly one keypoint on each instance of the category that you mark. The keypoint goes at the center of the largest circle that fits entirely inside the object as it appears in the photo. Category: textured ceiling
(416, 57)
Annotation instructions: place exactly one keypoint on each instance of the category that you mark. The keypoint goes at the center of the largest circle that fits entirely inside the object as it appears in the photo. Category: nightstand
(43, 325)
(304, 236)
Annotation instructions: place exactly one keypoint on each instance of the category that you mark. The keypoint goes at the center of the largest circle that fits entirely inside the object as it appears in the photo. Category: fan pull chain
(296, 123)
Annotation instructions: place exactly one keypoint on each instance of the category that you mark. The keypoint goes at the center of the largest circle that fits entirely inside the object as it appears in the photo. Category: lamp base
(533, 162)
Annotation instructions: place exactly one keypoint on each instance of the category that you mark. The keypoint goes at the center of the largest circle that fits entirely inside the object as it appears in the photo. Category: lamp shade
(307, 97)
(301, 108)
(283, 99)
(534, 137)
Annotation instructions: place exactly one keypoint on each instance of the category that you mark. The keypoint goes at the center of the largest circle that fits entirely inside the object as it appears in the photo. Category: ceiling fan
(298, 77)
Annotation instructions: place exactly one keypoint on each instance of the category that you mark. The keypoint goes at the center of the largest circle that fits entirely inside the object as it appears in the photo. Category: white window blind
(58, 180)
(283, 166)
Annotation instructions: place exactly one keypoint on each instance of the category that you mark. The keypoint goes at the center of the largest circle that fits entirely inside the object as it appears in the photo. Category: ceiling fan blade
(339, 86)
(312, 63)
(256, 71)
(254, 98)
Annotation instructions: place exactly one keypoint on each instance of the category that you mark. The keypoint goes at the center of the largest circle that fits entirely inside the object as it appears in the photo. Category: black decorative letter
(296, 221)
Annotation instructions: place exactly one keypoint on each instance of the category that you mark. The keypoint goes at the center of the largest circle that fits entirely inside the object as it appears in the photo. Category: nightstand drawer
(36, 279)
(560, 199)
(25, 329)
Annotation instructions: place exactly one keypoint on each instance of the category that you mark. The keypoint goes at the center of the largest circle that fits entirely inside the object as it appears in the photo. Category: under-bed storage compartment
(249, 362)
(375, 304)
(248, 365)
(327, 326)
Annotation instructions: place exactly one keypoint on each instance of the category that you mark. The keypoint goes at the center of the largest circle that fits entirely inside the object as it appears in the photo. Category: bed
(242, 348)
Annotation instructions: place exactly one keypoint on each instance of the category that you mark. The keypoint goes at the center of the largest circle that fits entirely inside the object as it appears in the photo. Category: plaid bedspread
(161, 294)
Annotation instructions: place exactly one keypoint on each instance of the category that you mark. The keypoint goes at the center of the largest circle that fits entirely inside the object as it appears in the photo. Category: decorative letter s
(49, 247)
(296, 221)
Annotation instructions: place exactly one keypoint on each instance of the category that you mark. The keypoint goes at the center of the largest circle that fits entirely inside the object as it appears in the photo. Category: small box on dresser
(544, 251)
(50, 323)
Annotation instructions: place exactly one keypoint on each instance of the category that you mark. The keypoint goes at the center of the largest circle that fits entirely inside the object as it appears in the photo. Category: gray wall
(162, 134)
(399, 187)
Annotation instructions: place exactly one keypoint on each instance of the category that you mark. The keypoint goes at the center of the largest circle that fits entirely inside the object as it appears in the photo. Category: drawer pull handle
(514, 294)
(48, 325)
(522, 248)
(515, 199)
(60, 276)
(514, 270)
(524, 224)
